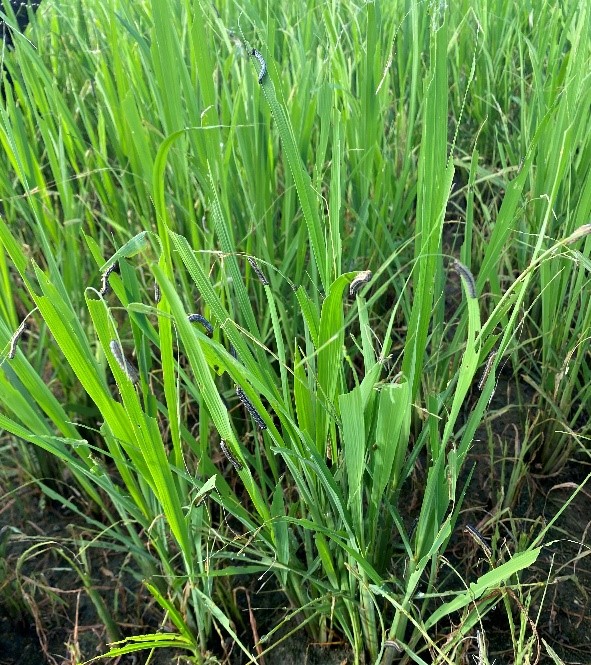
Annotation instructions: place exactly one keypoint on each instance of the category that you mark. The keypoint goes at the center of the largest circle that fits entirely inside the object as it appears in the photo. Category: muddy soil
(46, 616)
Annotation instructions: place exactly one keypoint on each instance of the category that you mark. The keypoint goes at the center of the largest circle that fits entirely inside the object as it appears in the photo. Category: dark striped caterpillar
(392, 644)
(257, 271)
(263, 64)
(249, 406)
(192, 318)
(487, 368)
(105, 288)
(479, 539)
(129, 370)
(156, 293)
(15, 339)
(233, 461)
(359, 280)
(467, 276)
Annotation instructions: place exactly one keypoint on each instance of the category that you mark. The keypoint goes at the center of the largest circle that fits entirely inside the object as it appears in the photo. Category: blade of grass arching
(158, 194)
(353, 444)
(513, 297)
(287, 401)
(128, 541)
(491, 580)
(167, 60)
(137, 244)
(88, 374)
(69, 336)
(180, 641)
(166, 266)
(154, 465)
(202, 375)
(330, 344)
(470, 358)
(391, 444)
(7, 299)
(506, 216)
(466, 250)
(225, 236)
(140, 243)
(209, 295)
(369, 355)
(541, 535)
(223, 230)
(144, 642)
(434, 183)
(170, 379)
(280, 530)
(414, 573)
(334, 213)
(304, 397)
(173, 614)
(36, 387)
(311, 315)
(22, 408)
(303, 183)
(58, 446)
(261, 380)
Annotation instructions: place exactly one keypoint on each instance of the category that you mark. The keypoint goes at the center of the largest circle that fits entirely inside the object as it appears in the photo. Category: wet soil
(46, 616)
(557, 599)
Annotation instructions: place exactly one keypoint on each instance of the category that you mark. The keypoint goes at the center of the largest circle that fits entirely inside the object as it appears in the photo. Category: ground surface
(46, 616)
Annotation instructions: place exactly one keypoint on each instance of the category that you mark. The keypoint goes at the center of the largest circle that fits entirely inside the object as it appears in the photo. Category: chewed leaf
(491, 580)
(129, 370)
(137, 244)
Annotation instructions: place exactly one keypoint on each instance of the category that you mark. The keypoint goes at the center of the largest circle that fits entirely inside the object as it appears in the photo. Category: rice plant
(237, 261)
